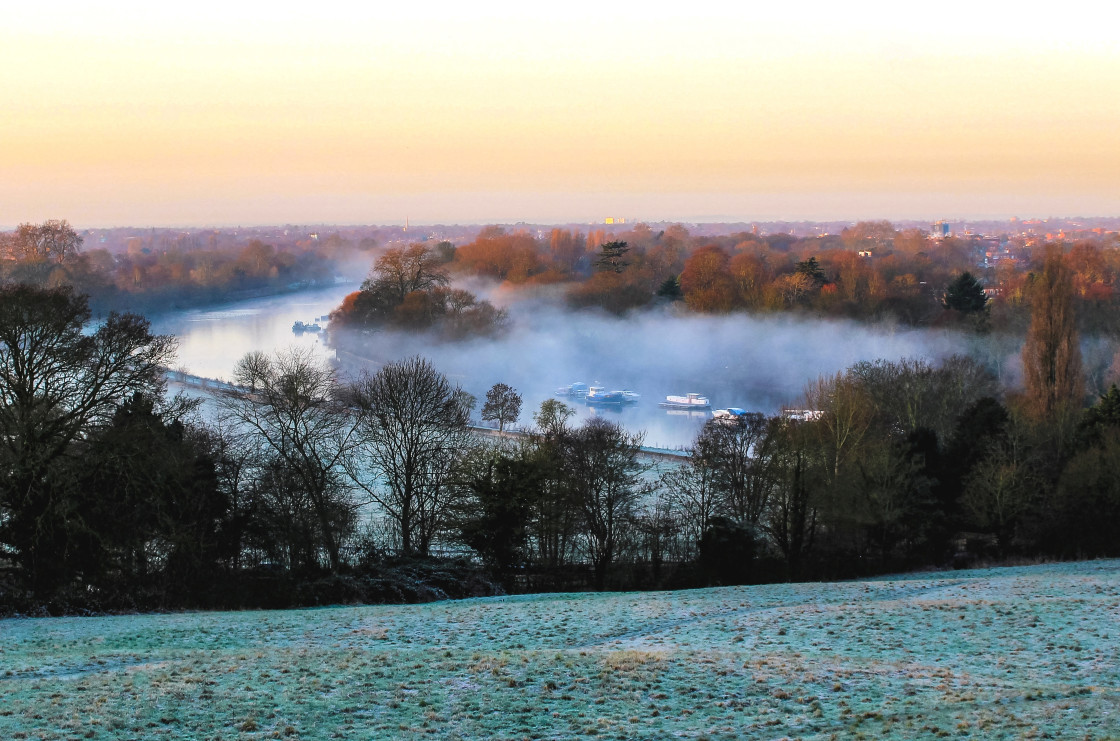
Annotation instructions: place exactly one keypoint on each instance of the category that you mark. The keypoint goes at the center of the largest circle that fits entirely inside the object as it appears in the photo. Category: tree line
(112, 491)
(150, 273)
(868, 271)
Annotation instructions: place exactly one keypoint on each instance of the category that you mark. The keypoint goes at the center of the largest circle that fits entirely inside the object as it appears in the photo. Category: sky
(222, 113)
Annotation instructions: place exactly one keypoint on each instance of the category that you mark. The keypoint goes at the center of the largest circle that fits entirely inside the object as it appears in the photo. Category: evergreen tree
(612, 257)
(811, 269)
(965, 294)
(671, 289)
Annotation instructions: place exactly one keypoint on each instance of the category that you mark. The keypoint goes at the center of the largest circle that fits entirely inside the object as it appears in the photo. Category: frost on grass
(1006, 653)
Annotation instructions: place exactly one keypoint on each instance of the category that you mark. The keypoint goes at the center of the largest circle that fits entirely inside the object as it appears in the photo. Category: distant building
(939, 230)
(614, 220)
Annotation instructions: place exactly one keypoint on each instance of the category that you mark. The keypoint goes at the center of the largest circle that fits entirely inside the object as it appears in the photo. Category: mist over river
(755, 362)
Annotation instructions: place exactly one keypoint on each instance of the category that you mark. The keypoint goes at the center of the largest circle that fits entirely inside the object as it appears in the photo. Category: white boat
(688, 401)
(299, 327)
(735, 416)
(630, 397)
(576, 389)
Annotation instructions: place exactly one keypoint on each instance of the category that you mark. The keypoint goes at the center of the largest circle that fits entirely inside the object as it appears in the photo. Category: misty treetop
(408, 289)
(867, 271)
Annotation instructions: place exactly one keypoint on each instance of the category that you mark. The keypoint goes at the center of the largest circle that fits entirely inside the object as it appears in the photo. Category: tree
(553, 416)
(811, 269)
(670, 288)
(494, 519)
(706, 281)
(612, 257)
(998, 493)
(408, 287)
(1052, 353)
(151, 500)
(695, 500)
(305, 435)
(555, 512)
(503, 404)
(59, 384)
(412, 431)
(402, 270)
(965, 294)
(739, 452)
(792, 519)
(910, 393)
(53, 240)
(601, 464)
(1089, 498)
(726, 551)
(1103, 415)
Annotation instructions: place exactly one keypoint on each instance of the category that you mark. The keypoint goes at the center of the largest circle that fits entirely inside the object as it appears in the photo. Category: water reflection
(212, 340)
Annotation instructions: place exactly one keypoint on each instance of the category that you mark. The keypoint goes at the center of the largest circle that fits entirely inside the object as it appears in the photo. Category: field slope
(1002, 653)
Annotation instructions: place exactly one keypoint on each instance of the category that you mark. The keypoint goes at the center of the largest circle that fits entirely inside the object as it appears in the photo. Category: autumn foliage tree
(54, 240)
(706, 280)
(498, 254)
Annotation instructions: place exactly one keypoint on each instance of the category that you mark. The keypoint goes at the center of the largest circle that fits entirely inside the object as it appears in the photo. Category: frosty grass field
(1002, 653)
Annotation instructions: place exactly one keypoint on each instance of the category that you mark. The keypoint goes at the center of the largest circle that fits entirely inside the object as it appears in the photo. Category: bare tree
(503, 404)
(552, 418)
(402, 270)
(555, 513)
(413, 430)
(304, 431)
(846, 414)
(693, 495)
(602, 467)
(909, 393)
(791, 520)
(740, 453)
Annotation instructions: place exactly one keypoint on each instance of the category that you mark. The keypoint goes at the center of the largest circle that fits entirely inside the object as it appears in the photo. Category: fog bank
(755, 362)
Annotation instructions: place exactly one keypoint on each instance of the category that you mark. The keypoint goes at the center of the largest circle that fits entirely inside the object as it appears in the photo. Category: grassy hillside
(1002, 653)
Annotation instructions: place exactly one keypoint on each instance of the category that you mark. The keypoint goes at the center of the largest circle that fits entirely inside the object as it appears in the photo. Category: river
(213, 339)
(757, 363)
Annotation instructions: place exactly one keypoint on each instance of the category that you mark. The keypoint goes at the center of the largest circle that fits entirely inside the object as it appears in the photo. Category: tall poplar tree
(1052, 353)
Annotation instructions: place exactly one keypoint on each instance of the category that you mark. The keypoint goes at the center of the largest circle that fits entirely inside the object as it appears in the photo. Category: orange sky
(212, 115)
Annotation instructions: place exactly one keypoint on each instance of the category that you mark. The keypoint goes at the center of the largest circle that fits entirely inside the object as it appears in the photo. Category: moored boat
(600, 395)
(575, 389)
(688, 401)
